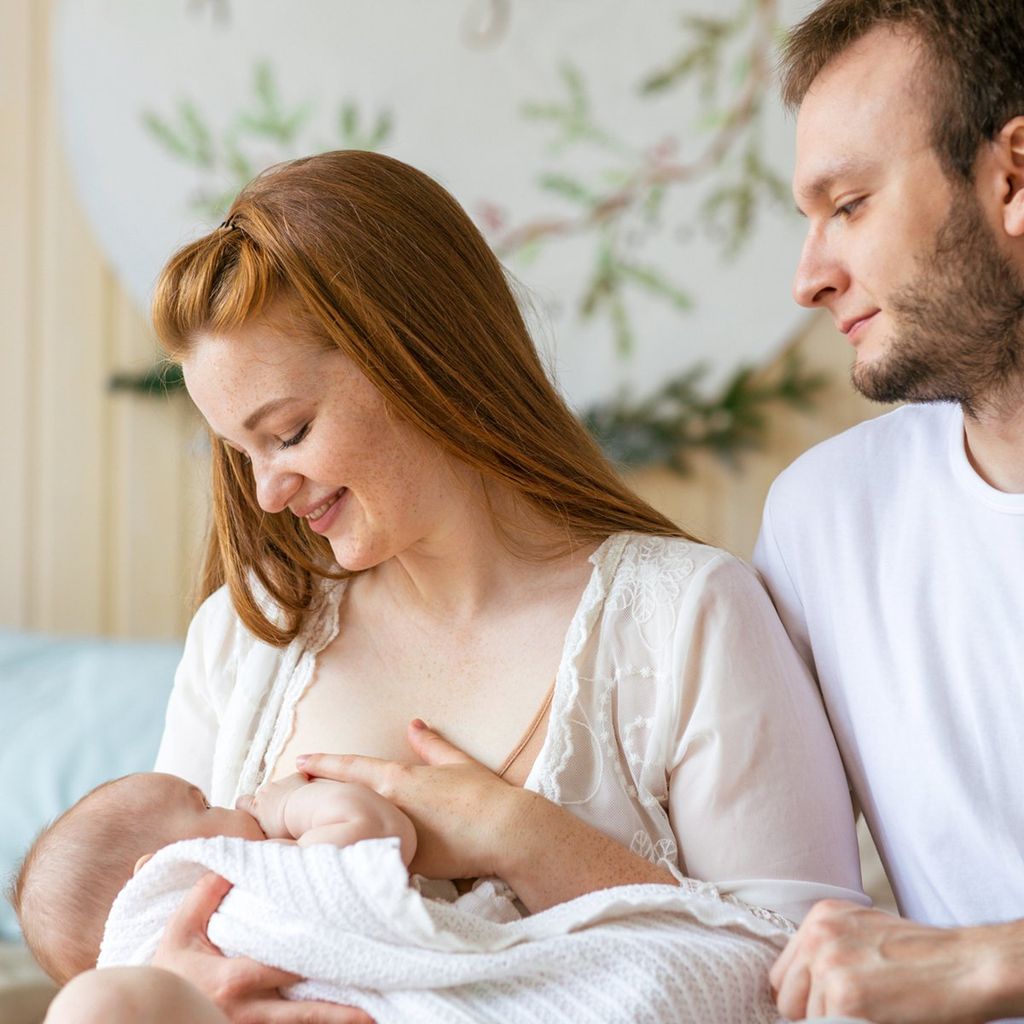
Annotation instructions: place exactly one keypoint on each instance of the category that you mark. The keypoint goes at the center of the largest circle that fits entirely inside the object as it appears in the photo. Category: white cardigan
(683, 724)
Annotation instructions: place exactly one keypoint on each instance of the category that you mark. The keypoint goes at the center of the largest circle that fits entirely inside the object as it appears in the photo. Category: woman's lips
(322, 522)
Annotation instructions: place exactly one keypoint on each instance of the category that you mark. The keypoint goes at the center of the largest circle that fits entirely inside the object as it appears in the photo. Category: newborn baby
(77, 866)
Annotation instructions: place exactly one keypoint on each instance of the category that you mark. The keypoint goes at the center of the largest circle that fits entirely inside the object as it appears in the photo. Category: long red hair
(377, 259)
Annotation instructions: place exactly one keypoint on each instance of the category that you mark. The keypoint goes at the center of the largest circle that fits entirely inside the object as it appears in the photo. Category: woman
(410, 524)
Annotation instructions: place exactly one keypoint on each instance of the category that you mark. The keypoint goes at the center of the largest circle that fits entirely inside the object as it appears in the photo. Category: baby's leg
(131, 995)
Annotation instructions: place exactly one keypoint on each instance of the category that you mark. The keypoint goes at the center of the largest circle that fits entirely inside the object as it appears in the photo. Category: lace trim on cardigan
(294, 674)
(557, 751)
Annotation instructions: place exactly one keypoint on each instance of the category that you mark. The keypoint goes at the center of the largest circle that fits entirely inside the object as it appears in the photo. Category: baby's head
(77, 866)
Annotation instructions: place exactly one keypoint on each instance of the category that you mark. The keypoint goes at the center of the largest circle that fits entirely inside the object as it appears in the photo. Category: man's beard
(959, 324)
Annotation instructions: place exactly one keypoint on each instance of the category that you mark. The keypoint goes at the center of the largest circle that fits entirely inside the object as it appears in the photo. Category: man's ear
(140, 862)
(1009, 154)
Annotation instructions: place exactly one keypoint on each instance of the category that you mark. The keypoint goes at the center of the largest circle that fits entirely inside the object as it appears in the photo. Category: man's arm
(849, 961)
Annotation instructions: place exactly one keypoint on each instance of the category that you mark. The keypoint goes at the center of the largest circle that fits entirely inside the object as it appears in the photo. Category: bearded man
(895, 552)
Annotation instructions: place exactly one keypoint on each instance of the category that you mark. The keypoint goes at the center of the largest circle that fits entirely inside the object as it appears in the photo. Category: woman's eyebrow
(265, 410)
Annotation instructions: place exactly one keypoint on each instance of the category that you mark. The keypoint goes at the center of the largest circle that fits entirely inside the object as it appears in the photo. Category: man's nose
(819, 274)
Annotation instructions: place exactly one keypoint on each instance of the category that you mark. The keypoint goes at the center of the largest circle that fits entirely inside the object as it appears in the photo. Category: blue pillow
(73, 713)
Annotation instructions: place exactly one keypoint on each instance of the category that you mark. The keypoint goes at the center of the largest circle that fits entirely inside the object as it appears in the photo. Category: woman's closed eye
(295, 438)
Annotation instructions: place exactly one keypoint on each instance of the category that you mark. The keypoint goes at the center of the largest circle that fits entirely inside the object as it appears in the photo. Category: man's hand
(849, 961)
(245, 991)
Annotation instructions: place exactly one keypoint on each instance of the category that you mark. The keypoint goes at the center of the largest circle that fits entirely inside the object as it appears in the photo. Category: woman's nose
(275, 487)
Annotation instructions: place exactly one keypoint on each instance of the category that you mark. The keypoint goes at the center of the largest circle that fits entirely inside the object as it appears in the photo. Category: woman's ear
(140, 862)
(1009, 146)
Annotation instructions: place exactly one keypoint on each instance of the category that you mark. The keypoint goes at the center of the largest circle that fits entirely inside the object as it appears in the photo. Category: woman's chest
(482, 695)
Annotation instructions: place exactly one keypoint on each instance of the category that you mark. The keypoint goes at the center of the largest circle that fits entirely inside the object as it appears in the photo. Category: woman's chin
(355, 557)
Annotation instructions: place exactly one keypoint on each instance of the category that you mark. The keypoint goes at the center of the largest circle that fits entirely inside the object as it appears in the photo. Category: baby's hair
(71, 874)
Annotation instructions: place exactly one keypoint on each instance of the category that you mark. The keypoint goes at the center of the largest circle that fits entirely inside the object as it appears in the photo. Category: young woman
(410, 525)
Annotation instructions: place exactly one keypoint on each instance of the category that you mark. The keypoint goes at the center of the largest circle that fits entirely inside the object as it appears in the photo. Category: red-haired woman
(410, 525)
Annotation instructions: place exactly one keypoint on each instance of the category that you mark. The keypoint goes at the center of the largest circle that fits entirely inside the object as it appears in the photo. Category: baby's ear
(140, 862)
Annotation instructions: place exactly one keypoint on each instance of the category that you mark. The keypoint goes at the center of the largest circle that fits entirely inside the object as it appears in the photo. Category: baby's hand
(268, 804)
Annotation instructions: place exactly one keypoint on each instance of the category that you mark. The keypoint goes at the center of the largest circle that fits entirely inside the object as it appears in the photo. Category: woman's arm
(756, 786)
(470, 823)
(192, 722)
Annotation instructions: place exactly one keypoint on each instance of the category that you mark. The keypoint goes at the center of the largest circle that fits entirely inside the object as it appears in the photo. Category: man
(895, 552)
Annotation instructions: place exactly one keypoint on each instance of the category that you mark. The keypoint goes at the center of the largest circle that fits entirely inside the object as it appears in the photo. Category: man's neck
(995, 444)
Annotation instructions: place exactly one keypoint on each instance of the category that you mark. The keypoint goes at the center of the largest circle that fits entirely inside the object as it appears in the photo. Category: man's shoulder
(860, 460)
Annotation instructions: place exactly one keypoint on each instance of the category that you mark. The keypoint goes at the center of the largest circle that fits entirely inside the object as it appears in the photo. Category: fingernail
(418, 723)
(301, 760)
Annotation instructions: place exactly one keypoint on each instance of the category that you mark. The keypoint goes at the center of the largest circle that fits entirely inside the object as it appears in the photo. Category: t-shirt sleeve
(775, 573)
(756, 787)
(194, 711)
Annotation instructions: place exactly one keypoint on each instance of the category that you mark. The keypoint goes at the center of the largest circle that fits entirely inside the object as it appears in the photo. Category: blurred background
(629, 163)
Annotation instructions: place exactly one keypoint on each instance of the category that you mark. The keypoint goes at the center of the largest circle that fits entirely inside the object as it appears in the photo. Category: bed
(76, 711)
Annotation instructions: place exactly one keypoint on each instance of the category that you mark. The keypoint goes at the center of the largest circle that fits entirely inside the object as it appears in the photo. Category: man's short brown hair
(972, 52)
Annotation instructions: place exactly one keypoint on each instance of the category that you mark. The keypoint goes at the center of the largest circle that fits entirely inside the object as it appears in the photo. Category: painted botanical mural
(628, 162)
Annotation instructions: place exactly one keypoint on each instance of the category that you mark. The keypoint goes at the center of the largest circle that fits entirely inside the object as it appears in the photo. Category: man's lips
(852, 327)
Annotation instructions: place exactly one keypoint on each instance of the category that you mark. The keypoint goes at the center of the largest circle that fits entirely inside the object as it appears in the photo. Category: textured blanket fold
(349, 921)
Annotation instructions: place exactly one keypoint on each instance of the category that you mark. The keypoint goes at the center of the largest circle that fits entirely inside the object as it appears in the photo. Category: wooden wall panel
(18, 199)
(720, 503)
(73, 296)
(144, 596)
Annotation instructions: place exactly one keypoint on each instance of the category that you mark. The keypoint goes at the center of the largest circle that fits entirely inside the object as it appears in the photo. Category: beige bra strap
(531, 729)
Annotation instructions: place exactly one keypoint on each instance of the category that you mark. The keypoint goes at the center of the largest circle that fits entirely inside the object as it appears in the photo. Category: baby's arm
(325, 811)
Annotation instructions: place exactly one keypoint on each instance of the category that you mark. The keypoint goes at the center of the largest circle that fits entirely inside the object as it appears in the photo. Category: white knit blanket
(349, 922)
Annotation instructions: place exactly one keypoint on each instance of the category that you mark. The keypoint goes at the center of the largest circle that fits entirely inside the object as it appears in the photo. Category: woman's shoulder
(660, 577)
(671, 561)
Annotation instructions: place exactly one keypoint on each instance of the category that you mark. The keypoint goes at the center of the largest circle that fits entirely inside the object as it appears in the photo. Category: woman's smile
(323, 516)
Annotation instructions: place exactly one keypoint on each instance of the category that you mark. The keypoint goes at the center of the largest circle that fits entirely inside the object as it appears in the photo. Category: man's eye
(295, 438)
(848, 209)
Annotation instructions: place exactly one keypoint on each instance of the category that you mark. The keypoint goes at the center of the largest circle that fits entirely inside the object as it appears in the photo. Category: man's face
(903, 257)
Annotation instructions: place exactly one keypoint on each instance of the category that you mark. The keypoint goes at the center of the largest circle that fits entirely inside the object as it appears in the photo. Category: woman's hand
(245, 991)
(470, 824)
(465, 816)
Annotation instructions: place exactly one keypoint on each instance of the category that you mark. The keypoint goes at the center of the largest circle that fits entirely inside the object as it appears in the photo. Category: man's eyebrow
(823, 184)
(265, 410)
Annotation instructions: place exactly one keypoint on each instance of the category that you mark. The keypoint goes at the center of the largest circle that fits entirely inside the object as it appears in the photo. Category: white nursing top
(683, 724)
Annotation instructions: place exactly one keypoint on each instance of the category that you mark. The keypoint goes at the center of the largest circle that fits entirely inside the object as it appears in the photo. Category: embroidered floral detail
(651, 574)
(662, 851)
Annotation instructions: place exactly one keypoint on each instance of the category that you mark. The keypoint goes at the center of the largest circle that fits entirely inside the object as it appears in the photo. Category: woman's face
(320, 441)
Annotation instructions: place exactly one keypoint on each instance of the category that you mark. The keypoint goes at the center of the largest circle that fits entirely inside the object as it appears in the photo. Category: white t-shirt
(899, 574)
(683, 724)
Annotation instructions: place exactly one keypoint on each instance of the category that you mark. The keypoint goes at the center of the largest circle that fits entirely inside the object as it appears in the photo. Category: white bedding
(349, 921)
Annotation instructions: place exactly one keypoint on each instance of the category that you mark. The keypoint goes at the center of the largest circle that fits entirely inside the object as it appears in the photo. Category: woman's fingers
(429, 746)
(432, 748)
(193, 916)
(287, 1011)
(368, 771)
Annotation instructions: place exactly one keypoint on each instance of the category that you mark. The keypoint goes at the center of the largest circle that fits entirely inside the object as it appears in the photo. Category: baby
(76, 867)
